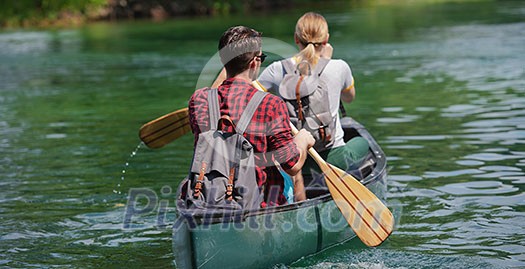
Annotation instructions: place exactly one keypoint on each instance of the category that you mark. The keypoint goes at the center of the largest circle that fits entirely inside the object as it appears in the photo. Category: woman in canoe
(311, 36)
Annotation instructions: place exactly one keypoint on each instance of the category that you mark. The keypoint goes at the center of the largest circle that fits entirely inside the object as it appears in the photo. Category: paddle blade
(159, 132)
(370, 219)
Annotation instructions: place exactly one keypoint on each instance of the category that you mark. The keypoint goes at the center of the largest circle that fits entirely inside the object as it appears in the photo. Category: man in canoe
(268, 132)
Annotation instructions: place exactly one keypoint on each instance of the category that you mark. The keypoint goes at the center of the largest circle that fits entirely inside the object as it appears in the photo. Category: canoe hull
(265, 237)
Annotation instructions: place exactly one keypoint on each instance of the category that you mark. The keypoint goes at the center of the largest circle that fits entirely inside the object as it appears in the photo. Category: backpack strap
(242, 124)
(213, 108)
(288, 65)
(247, 114)
(342, 109)
(321, 64)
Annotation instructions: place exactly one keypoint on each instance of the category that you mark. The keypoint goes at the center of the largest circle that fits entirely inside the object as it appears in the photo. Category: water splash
(126, 165)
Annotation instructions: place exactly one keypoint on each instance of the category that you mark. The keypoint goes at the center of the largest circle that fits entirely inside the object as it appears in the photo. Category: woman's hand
(326, 51)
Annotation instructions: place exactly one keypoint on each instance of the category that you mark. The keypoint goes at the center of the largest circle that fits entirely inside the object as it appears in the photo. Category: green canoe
(275, 235)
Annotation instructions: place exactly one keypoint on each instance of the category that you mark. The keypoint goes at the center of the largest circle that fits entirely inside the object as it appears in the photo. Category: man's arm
(289, 151)
(303, 140)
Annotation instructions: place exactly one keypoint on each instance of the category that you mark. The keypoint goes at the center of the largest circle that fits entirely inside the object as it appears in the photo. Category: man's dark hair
(237, 47)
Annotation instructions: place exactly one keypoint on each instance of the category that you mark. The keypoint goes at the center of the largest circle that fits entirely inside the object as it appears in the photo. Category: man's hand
(304, 139)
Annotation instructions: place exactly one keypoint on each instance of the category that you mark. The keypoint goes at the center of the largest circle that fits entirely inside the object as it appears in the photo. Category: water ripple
(489, 156)
(454, 173)
(477, 188)
(400, 119)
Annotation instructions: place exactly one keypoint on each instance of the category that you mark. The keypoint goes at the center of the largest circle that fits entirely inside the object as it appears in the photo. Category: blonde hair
(311, 31)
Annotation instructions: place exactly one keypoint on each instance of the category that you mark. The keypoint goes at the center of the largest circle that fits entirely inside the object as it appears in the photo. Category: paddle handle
(313, 153)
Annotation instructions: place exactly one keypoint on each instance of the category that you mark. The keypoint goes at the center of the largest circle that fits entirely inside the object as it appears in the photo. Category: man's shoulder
(201, 90)
(199, 93)
(272, 101)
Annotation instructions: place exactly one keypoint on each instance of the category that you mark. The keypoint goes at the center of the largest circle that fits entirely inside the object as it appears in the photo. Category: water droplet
(126, 164)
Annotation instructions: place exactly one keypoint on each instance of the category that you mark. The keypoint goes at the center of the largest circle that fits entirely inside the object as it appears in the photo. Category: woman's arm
(348, 94)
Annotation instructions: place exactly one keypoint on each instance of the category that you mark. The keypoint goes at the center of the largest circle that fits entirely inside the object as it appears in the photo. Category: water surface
(440, 85)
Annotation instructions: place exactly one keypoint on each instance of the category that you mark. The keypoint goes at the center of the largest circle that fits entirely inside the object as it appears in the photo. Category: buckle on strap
(200, 181)
(229, 186)
(322, 134)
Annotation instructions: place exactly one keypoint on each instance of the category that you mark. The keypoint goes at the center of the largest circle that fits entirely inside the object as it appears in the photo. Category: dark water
(440, 85)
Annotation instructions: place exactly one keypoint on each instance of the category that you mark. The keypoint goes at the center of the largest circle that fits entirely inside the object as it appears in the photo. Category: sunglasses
(261, 57)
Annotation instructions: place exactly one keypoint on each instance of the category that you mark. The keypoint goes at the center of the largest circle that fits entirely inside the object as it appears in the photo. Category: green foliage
(15, 13)
(36, 12)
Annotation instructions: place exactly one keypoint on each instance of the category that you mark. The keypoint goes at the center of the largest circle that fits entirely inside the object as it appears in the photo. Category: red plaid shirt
(268, 132)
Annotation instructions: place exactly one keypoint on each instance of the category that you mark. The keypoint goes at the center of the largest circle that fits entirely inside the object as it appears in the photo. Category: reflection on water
(445, 98)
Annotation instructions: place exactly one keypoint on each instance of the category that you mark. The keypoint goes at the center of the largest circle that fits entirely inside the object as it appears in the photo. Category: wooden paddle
(162, 131)
(370, 219)
(159, 132)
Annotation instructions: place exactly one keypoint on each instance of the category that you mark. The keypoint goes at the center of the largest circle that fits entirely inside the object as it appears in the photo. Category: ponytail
(312, 31)
(306, 55)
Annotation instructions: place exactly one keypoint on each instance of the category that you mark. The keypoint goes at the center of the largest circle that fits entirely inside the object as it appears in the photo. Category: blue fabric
(288, 187)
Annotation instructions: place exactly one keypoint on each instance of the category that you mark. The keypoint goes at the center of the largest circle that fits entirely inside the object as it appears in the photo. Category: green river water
(441, 86)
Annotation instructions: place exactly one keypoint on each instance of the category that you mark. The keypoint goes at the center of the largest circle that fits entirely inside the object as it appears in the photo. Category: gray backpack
(222, 175)
(306, 97)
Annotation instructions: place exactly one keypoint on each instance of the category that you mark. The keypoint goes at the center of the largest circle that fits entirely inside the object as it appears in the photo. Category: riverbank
(68, 13)
(45, 14)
